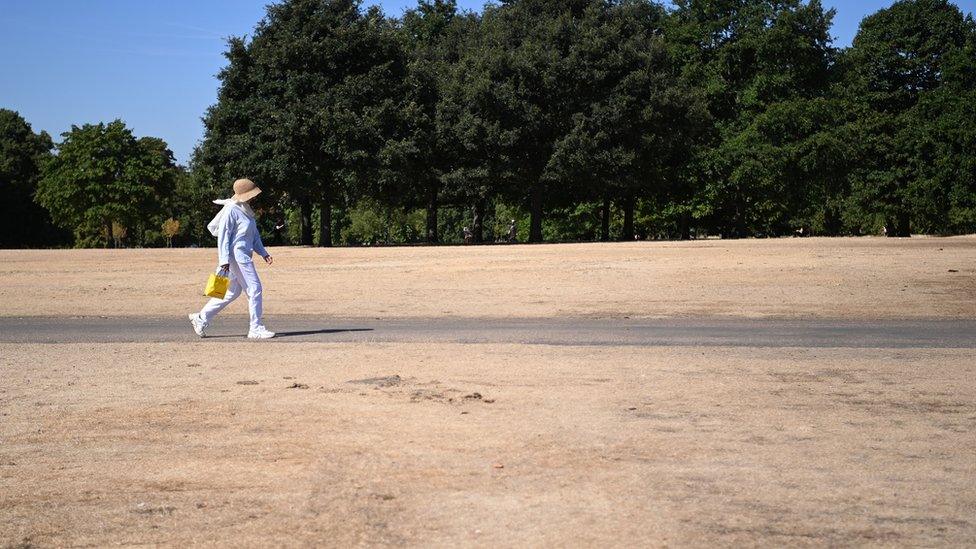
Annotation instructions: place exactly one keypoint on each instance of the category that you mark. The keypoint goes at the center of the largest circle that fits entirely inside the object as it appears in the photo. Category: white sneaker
(260, 333)
(199, 326)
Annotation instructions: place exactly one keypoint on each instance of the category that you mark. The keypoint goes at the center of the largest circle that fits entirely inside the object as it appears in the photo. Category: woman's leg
(252, 287)
(215, 305)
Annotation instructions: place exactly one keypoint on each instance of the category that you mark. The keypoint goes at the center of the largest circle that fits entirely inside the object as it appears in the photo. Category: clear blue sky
(153, 63)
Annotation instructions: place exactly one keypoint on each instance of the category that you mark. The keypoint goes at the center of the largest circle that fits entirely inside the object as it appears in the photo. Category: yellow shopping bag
(217, 284)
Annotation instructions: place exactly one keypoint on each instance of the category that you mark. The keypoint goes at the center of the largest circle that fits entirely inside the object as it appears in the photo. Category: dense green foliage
(22, 152)
(763, 66)
(555, 119)
(306, 104)
(107, 186)
(912, 77)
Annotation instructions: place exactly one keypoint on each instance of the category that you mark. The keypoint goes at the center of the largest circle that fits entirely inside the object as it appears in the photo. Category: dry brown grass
(209, 443)
(840, 278)
(206, 443)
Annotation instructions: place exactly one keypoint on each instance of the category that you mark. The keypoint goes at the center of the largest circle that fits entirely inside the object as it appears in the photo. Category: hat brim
(244, 197)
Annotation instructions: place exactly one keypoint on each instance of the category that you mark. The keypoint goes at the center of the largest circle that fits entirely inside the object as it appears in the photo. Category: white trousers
(243, 278)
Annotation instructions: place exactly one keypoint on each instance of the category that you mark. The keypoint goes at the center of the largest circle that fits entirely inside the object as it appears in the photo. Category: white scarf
(228, 204)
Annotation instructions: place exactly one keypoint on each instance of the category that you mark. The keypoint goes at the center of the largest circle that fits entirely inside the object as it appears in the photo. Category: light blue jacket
(238, 237)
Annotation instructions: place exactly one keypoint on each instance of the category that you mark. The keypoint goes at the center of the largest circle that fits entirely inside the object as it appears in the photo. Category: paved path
(893, 334)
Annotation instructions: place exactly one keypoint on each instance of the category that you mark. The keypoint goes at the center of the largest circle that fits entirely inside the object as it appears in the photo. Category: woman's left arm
(260, 249)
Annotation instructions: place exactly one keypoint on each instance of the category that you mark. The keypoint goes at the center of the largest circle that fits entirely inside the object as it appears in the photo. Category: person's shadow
(299, 333)
(324, 331)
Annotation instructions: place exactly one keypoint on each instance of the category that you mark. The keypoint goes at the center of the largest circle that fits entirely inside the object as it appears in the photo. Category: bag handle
(223, 272)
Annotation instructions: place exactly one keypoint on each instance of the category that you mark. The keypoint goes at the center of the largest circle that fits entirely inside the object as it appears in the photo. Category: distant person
(468, 235)
(277, 232)
(512, 231)
(237, 240)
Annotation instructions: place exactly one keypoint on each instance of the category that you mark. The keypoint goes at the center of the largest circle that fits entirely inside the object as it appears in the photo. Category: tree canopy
(22, 153)
(543, 120)
(303, 104)
(911, 76)
(103, 178)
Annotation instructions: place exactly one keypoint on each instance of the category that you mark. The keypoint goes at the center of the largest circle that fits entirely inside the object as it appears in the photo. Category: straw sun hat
(244, 190)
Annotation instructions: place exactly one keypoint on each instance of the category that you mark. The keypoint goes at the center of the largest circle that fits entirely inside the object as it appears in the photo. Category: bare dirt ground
(485, 445)
(233, 443)
(837, 278)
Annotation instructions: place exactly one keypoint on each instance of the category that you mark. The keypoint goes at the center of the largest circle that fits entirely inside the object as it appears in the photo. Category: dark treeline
(571, 119)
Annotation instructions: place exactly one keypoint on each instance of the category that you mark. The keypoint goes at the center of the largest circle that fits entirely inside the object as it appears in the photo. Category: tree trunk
(109, 236)
(900, 226)
(831, 221)
(605, 220)
(535, 205)
(684, 226)
(628, 206)
(305, 211)
(737, 229)
(325, 221)
(478, 224)
(337, 220)
(432, 236)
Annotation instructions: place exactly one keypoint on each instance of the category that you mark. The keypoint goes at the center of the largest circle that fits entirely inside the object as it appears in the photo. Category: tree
(638, 131)
(941, 146)
(473, 124)
(749, 56)
(23, 223)
(302, 105)
(800, 154)
(103, 177)
(532, 90)
(417, 156)
(909, 66)
(171, 228)
(191, 202)
(234, 143)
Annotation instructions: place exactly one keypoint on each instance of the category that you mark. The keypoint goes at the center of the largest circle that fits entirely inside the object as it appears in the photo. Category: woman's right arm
(225, 239)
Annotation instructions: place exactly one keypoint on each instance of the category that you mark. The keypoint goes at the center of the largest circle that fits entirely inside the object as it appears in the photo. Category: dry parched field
(202, 443)
(836, 278)
(234, 443)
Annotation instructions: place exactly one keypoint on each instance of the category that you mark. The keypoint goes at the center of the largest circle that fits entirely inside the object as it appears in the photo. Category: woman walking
(237, 240)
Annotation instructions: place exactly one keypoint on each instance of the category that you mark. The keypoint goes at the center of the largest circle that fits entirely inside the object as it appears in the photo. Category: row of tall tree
(578, 119)
(101, 186)
(732, 117)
